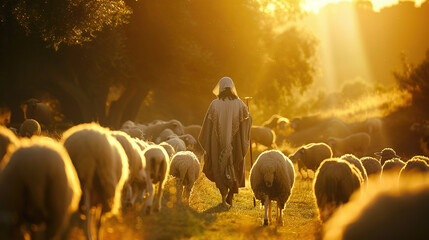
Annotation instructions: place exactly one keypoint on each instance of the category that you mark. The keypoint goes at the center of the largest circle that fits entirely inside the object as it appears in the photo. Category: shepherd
(225, 136)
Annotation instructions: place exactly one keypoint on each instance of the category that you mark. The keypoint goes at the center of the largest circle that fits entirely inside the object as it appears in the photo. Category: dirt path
(206, 219)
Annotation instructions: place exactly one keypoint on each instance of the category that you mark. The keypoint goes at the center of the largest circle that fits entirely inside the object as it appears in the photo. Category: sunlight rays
(316, 5)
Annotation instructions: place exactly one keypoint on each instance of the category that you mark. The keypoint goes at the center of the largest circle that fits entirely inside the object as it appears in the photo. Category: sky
(360, 43)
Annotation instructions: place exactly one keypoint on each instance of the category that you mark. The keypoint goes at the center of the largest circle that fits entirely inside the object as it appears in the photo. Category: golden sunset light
(214, 119)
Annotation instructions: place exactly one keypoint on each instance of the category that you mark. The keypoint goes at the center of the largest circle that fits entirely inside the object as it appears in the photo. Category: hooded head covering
(223, 83)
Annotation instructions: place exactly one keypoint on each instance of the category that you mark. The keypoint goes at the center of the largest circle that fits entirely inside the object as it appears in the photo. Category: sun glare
(316, 5)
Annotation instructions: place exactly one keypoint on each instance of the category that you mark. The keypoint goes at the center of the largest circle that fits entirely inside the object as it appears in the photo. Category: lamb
(168, 148)
(177, 143)
(38, 186)
(152, 131)
(137, 182)
(7, 138)
(392, 211)
(386, 154)
(29, 128)
(102, 167)
(38, 111)
(371, 165)
(264, 136)
(392, 166)
(272, 178)
(157, 168)
(310, 156)
(356, 144)
(186, 168)
(334, 183)
(352, 159)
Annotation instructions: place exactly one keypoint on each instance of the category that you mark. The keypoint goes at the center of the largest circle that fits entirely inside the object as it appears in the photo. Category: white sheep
(168, 148)
(38, 186)
(386, 154)
(264, 136)
(414, 166)
(38, 111)
(137, 182)
(152, 131)
(29, 128)
(143, 145)
(133, 132)
(102, 167)
(272, 178)
(276, 122)
(177, 143)
(388, 211)
(334, 183)
(128, 125)
(186, 168)
(311, 156)
(392, 166)
(371, 165)
(373, 126)
(164, 135)
(356, 144)
(157, 168)
(352, 159)
(7, 138)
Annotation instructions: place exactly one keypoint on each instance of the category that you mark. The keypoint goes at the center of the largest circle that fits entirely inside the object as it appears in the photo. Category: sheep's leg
(279, 215)
(266, 200)
(149, 199)
(179, 190)
(188, 189)
(269, 210)
(99, 219)
(158, 199)
(87, 204)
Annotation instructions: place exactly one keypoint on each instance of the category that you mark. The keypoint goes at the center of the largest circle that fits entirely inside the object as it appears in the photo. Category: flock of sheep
(47, 184)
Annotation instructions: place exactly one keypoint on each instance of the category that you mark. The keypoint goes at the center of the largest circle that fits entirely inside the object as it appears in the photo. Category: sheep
(414, 166)
(356, 144)
(310, 156)
(133, 132)
(29, 128)
(157, 168)
(140, 143)
(194, 130)
(164, 135)
(264, 136)
(38, 111)
(189, 141)
(352, 159)
(424, 158)
(128, 125)
(272, 178)
(38, 186)
(168, 148)
(102, 166)
(373, 126)
(7, 138)
(386, 154)
(392, 166)
(137, 183)
(152, 131)
(186, 168)
(391, 211)
(177, 143)
(371, 165)
(334, 183)
(276, 122)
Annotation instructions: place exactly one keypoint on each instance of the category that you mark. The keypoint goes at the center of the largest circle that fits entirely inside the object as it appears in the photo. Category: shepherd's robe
(224, 137)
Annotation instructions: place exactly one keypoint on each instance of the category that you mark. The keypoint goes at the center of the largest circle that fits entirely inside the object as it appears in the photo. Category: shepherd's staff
(250, 144)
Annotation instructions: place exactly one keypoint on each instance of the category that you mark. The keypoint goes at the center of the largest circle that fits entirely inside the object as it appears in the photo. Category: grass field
(205, 218)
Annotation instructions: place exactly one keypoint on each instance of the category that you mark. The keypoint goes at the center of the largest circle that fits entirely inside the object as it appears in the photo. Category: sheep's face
(298, 154)
(269, 177)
